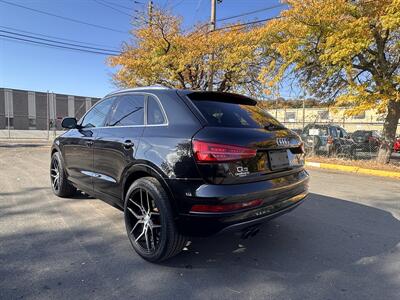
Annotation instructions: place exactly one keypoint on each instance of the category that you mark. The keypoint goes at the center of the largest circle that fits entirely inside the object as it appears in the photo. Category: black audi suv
(181, 163)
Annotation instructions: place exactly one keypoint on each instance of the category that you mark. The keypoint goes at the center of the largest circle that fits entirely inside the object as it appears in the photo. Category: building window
(290, 116)
(359, 116)
(323, 114)
(32, 122)
(10, 122)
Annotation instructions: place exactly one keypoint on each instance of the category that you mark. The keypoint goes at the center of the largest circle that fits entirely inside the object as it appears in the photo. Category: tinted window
(227, 114)
(334, 132)
(97, 115)
(154, 112)
(129, 110)
(362, 133)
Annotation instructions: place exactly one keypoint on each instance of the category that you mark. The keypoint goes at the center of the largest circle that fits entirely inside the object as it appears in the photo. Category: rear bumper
(267, 217)
(280, 195)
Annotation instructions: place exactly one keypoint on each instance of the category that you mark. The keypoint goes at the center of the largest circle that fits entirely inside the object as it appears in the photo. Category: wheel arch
(54, 150)
(141, 170)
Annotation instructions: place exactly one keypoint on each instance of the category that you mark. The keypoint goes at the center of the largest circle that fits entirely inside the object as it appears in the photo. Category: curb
(352, 169)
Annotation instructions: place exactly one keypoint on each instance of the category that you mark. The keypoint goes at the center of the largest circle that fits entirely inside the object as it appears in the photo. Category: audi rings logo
(282, 141)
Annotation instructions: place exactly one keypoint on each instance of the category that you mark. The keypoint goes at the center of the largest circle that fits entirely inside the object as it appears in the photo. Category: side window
(97, 114)
(155, 115)
(129, 110)
(334, 132)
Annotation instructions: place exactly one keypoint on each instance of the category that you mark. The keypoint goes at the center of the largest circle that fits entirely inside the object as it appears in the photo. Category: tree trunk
(389, 132)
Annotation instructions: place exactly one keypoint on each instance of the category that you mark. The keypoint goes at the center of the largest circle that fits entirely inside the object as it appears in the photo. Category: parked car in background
(297, 131)
(366, 140)
(181, 163)
(328, 139)
(396, 147)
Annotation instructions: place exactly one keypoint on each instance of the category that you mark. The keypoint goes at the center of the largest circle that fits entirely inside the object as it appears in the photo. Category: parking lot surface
(342, 243)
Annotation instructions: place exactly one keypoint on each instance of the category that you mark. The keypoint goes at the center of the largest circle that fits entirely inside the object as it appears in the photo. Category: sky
(42, 68)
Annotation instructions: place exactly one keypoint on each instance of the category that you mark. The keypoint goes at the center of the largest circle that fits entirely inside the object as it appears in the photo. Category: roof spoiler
(221, 97)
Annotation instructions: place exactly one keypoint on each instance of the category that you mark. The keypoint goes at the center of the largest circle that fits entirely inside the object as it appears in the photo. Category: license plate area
(278, 159)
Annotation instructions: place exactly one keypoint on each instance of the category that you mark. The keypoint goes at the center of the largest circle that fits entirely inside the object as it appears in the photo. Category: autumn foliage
(164, 54)
(337, 50)
(345, 51)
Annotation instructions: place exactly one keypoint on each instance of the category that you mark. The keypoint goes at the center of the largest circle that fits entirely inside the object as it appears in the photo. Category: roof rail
(151, 87)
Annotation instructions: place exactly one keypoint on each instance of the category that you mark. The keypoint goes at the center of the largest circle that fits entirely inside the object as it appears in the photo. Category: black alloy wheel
(144, 220)
(59, 183)
(55, 174)
(149, 221)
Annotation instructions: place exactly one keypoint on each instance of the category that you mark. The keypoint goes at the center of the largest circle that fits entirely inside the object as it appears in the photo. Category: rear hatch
(239, 141)
(316, 136)
(361, 136)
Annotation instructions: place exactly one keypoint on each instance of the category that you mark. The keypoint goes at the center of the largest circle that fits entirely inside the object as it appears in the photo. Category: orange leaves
(164, 54)
(337, 48)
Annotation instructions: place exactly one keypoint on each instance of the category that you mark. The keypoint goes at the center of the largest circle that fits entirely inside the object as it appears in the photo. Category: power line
(248, 23)
(57, 38)
(236, 26)
(55, 46)
(58, 42)
(111, 7)
(177, 4)
(252, 12)
(118, 5)
(62, 17)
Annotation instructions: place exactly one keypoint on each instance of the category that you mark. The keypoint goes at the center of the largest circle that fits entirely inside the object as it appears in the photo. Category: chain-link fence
(331, 140)
(37, 115)
(330, 133)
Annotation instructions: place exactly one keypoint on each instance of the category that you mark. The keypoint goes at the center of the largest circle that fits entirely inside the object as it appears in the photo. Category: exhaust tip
(250, 231)
(255, 231)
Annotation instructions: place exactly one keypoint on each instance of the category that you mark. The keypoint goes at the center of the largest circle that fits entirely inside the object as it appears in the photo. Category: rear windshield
(362, 133)
(226, 114)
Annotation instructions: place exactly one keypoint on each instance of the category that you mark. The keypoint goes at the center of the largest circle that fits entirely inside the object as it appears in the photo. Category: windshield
(226, 114)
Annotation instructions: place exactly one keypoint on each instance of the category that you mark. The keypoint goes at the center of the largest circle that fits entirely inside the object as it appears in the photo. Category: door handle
(89, 143)
(128, 144)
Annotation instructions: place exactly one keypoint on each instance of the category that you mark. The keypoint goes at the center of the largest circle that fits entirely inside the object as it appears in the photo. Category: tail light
(212, 152)
(203, 208)
(330, 140)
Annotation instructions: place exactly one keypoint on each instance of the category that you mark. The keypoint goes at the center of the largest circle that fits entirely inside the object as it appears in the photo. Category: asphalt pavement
(342, 243)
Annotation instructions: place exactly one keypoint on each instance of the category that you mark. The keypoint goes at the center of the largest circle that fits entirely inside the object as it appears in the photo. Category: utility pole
(304, 111)
(150, 12)
(47, 116)
(212, 28)
(213, 15)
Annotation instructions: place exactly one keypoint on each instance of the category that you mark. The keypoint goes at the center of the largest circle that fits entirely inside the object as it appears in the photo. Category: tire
(149, 221)
(59, 183)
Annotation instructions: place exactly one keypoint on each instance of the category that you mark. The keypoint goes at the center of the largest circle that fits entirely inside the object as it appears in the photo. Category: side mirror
(69, 123)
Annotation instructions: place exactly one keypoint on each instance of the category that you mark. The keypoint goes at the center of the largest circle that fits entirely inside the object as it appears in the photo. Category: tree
(163, 54)
(343, 50)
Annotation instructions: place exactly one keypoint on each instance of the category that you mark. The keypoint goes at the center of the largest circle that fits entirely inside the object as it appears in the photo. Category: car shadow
(338, 231)
(322, 250)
